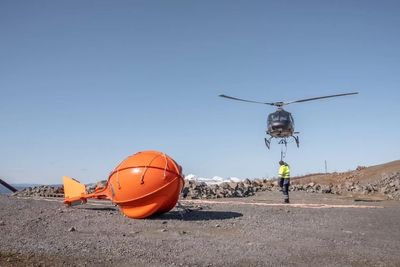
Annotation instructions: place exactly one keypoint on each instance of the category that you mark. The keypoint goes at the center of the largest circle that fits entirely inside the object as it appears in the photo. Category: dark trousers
(284, 184)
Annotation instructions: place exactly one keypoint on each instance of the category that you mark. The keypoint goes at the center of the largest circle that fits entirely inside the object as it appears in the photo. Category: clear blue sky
(86, 83)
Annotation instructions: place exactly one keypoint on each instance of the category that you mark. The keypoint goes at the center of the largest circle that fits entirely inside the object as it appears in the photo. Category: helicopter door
(291, 120)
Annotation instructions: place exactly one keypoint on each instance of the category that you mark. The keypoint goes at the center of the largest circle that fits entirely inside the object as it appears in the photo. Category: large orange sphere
(146, 183)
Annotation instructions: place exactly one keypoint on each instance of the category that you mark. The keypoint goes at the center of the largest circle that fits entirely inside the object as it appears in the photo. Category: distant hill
(361, 175)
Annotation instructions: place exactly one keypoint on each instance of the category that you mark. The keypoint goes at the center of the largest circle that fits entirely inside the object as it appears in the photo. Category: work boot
(286, 201)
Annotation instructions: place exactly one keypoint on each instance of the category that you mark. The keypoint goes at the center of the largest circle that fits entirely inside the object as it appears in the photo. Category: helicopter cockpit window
(280, 116)
(283, 117)
(273, 117)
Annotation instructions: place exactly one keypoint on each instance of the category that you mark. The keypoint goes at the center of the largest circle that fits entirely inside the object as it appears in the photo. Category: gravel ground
(40, 232)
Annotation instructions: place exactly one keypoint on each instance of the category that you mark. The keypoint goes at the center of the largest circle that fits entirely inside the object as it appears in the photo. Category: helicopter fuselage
(280, 124)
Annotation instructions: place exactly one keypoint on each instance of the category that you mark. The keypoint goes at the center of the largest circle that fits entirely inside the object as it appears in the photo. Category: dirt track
(347, 233)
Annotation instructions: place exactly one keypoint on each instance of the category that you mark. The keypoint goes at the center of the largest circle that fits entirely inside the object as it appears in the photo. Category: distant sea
(5, 191)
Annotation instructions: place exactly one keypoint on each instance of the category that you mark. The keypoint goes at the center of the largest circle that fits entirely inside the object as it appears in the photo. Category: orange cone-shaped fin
(74, 191)
(73, 188)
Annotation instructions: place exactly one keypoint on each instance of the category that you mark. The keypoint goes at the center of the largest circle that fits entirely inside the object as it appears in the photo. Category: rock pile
(389, 185)
(41, 191)
(53, 191)
(196, 190)
(90, 188)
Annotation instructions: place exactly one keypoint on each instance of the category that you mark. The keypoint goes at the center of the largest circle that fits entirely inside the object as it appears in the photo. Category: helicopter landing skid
(268, 142)
(296, 138)
(283, 141)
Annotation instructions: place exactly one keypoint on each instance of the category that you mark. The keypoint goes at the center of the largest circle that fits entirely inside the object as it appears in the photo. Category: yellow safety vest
(284, 172)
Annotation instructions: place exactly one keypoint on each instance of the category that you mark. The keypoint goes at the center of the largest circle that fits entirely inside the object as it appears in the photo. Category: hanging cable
(283, 149)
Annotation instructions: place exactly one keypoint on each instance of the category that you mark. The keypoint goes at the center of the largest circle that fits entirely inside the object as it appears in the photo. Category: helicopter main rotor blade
(244, 100)
(316, 98)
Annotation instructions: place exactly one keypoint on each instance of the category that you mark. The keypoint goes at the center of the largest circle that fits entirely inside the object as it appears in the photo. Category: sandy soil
(256, 231)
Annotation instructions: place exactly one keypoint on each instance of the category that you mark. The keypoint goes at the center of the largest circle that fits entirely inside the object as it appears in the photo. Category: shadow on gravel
(197, 215)
(97, 208)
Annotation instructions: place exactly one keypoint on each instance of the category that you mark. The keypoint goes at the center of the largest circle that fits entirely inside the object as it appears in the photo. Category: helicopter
(280, 124)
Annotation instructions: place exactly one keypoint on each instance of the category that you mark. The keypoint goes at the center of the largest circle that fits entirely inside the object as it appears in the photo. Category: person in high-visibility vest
(284, 179)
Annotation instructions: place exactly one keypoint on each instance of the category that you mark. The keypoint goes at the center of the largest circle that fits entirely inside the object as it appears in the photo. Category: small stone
(164, 230)
(164, 222)
(72, 229)
(183, 232)
(2, 223)
(217, 225)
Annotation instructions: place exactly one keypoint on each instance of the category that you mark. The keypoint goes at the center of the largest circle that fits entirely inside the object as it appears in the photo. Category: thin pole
(11, 188)
(326, 167)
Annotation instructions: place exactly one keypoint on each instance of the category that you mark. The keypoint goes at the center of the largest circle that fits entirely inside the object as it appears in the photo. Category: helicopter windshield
(280, 116)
